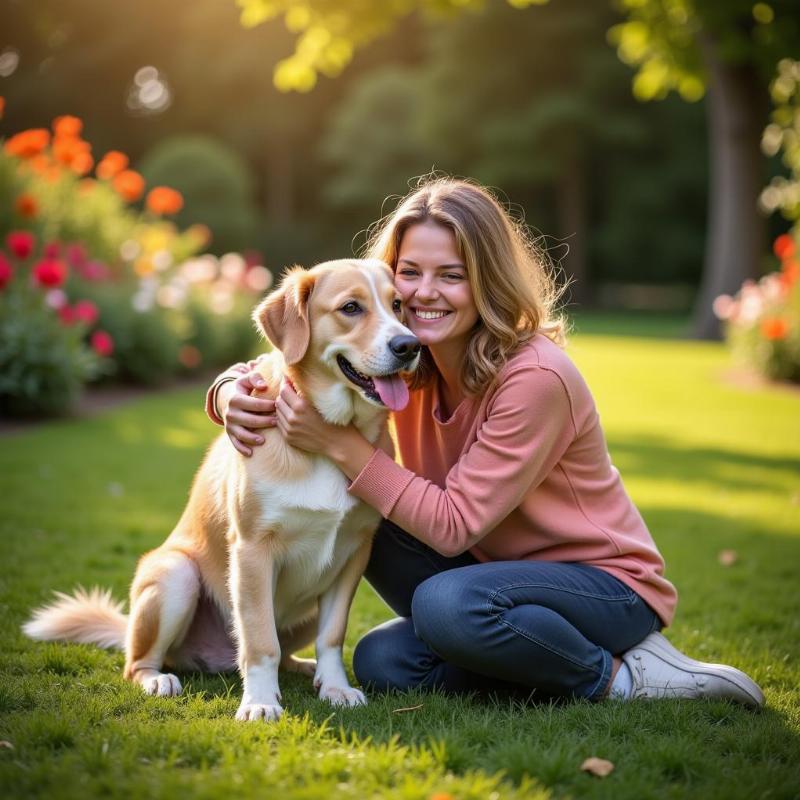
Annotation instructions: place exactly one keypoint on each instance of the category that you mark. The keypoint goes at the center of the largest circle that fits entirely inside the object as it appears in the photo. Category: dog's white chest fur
(319, 526)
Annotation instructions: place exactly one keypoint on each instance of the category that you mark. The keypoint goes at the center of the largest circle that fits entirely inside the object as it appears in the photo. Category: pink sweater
(522, 472)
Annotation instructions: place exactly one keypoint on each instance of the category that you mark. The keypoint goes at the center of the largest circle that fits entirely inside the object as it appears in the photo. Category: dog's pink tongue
(393, 391)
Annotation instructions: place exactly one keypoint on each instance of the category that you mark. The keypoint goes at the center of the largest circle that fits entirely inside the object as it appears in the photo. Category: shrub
(762, 321)
(45, 357)
(215, 185)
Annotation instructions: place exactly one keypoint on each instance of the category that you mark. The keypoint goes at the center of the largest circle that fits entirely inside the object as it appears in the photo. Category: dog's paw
(252, 712)
(163, 685)
(305, 666)
(342, 696)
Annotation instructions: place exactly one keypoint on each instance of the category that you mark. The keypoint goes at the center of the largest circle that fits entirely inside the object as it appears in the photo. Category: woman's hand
(303, 427)
(244, 414)
(301, 424)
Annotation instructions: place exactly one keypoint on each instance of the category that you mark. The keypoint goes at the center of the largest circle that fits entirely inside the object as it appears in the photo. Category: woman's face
(432, 281)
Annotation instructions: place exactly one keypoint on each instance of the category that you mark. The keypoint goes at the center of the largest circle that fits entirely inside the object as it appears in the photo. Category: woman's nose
(427, 289)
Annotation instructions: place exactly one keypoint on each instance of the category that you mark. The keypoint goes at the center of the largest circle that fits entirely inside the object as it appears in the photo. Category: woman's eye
(351, 308)
(454, 276)
(409, 273)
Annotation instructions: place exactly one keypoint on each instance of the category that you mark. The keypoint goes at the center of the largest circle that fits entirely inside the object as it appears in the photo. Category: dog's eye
(397, 306)
(351, 309)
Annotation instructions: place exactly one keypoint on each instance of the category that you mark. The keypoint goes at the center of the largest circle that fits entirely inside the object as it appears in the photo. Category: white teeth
(430, 314)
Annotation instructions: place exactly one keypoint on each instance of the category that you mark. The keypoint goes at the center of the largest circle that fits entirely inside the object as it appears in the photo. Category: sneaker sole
(659, 645)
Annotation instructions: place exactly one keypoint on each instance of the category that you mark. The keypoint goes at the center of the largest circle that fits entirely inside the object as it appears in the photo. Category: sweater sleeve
(230, 374)
(529, 427)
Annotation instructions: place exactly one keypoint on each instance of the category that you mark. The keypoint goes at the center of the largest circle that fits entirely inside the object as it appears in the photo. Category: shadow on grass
(660, 458)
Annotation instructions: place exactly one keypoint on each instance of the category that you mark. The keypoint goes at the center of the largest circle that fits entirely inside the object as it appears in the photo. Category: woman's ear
(283, 315)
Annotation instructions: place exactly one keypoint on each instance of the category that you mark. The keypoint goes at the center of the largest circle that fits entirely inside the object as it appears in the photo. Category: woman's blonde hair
(511, 279)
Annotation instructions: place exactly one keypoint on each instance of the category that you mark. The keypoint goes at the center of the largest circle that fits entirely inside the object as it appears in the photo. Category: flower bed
(97, 283)
(762, 322)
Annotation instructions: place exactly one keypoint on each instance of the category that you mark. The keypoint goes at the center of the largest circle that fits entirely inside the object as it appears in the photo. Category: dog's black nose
(404, 347)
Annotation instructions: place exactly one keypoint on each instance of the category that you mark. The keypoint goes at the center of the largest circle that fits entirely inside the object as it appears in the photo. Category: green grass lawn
(713, 467)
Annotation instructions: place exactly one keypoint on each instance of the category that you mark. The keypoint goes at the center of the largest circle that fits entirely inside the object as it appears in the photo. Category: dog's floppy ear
(283, 315)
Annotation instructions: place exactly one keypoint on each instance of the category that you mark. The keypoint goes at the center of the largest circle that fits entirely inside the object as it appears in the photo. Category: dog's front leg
(334, 607)
(252, 594)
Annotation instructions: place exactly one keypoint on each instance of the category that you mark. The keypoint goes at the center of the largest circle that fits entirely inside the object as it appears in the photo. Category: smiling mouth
(426, 314)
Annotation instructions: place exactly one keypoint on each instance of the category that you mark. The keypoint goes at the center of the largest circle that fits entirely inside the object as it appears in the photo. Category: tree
(730, 48)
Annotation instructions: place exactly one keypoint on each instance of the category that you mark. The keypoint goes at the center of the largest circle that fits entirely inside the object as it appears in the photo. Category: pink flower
(93, 270)
(723, 306)
(21, 243)
(76, 255)
(56, 298)
(50, 272)
(51, 250)
(102, 343)
(86, 311)
(6, 273)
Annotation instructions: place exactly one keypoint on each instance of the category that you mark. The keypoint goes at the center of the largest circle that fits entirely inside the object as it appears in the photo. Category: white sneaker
(660, 670)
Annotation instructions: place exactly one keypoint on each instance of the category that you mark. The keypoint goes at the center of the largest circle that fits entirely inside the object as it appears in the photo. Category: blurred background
(647, 142)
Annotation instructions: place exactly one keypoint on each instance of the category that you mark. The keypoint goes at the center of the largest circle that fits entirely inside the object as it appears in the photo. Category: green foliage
(81, 501)
(328, 31)
(782, 136)
(666, 39)
(216, 185)
(477, 116)
(43, 364)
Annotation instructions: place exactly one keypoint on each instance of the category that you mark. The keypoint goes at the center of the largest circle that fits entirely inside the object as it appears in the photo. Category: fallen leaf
(728, 557)
(597, 766)
(4, 745)
(410, 708)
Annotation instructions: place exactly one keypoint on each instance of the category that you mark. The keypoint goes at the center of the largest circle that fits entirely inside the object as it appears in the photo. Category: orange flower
(2, 106)
(129, 185)
(784, 246)
(82, 163)
(163, 200)
(68, 149)
(774, 328)
(27, 144)
(111, 164)
(67, 126)
(26, 205)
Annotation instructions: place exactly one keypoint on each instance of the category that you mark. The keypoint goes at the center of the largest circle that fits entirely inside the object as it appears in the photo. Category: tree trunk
(571, 221)
(736, 108)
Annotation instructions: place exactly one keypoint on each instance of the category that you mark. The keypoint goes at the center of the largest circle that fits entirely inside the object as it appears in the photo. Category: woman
(509, 548)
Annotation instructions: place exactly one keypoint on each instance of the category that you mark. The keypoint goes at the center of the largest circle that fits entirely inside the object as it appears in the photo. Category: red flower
(50, 272)
(774, 328)
(26, 205)
(102, 343)
(86, 311)
(783, 246)
(52, 250)
(67, 315)
(20, 243)
(6, 273)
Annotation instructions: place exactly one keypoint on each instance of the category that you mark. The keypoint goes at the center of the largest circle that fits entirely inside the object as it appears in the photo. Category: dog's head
(344, 316)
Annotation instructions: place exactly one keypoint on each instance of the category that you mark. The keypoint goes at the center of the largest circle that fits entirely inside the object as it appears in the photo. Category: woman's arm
(529, 428)
(229, 403)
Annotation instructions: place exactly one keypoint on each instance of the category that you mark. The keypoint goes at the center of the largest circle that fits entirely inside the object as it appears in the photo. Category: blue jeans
(538, 627)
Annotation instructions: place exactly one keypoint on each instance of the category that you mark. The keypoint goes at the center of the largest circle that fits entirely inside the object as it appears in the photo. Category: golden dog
(270, 549)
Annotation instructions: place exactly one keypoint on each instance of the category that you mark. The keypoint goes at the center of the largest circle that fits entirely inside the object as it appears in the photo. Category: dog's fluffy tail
(92, 617)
